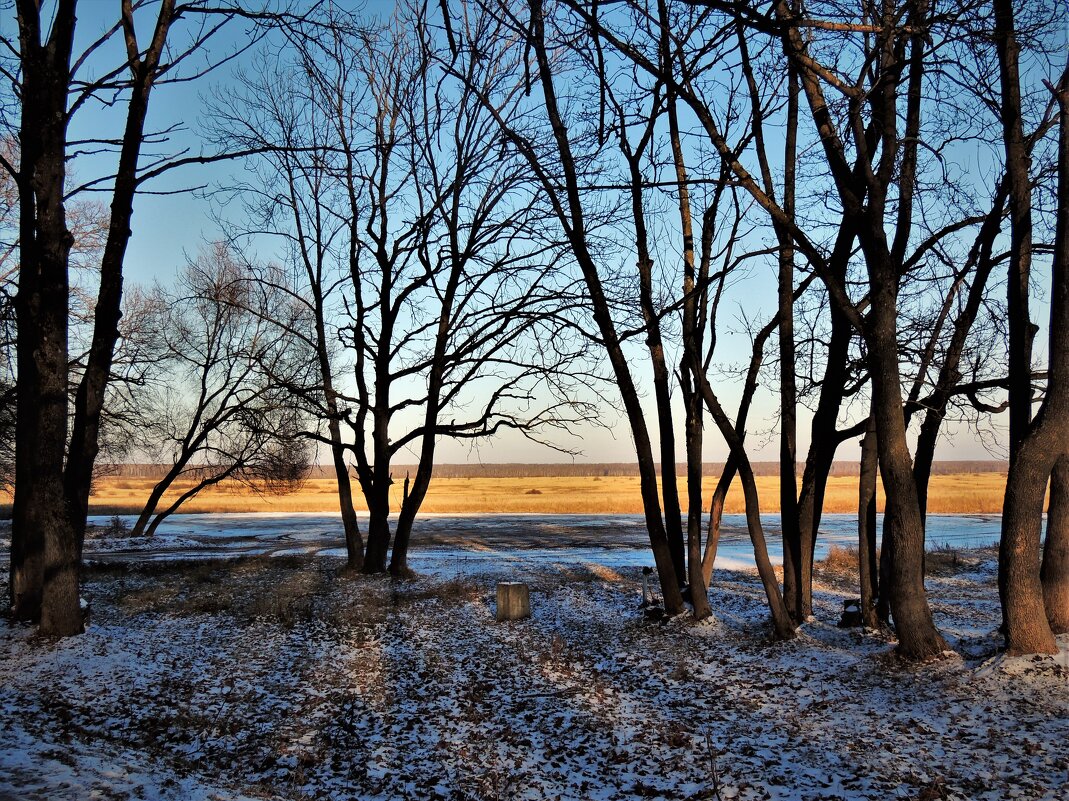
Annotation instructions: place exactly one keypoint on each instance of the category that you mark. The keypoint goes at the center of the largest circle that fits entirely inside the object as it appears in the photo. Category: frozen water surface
(439, 540)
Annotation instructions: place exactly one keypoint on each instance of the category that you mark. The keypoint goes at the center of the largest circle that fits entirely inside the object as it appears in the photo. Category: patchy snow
(279, 679)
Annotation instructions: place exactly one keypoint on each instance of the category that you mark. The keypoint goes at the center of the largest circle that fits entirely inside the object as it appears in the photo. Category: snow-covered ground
(278, 678)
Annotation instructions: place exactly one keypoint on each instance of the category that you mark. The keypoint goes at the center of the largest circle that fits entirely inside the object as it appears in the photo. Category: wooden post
(513, 601)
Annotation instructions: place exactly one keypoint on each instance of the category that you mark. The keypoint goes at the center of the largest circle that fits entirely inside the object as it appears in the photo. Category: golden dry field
(953, 494)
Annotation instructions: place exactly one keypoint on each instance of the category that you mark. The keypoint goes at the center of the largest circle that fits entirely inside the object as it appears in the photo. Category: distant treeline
(520, 470)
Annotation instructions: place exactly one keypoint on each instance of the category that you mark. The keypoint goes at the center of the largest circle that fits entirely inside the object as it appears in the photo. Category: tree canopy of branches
(218, 405)
(413, 236)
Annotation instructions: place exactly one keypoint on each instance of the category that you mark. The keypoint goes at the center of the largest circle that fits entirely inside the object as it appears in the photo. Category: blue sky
(167, 227)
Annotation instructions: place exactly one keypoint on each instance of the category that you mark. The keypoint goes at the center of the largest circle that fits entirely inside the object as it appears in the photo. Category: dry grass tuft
(289, 592)
(946, 560)
(604, 573)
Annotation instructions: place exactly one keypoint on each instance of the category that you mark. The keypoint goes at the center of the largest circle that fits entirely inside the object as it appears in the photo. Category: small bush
(116, 527)
(533, 492)
(841, 558)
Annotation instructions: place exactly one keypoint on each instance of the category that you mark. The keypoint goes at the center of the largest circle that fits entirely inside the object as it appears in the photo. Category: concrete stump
(513, 600)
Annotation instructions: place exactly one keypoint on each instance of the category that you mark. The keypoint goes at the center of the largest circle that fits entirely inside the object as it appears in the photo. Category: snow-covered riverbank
(279, 679)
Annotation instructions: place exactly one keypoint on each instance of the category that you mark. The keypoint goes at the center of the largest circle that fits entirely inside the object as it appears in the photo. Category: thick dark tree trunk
(1043, 446)
(378, 533)
(44, 553)
(1027, 628)
(1054, 573)
(918, 638)
(377, 479)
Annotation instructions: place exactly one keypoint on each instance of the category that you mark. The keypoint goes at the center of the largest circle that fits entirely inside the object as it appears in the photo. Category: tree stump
(513, 601)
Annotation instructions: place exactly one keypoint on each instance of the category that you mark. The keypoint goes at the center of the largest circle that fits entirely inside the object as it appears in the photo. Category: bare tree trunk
(1054, 573)
(1027, 628)
(673, 514)
(716, 515)
(782, 624)
(354, 543)
(406, 517)
(917, 636)
(691, 367)
(1043, 446)
(949, 374)
(378, 526)
(185, 496)
(824, 439)
(886, 589)
(44, 555)
(376, 484)
(1021, 329)
(155, 496)
(89, 400)
(575, 228)
(866, 527)
(799, 601)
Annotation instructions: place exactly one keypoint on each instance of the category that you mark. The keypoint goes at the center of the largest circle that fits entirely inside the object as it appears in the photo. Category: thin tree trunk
(799, 602)
(782, 624)
(824, 439)
(691, 367)
(574, 224)
(949, 374)
(1021, 330)
(185, 496)
(716, 515)
(354, 543)
(154, 498)
(866, 527)
(673, 514)
(886, 589)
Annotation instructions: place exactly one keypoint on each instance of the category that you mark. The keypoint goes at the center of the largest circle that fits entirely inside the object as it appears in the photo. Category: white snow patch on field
(278, 679)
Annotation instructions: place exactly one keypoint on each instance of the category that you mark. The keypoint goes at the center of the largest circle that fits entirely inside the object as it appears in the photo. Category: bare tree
(418, 232)
(219, 407)
(52, 82)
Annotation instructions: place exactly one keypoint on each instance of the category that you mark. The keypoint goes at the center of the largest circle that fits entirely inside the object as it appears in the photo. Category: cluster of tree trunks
(439, 193)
